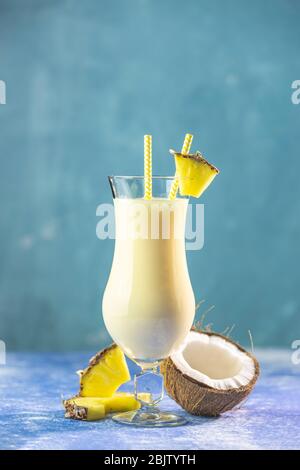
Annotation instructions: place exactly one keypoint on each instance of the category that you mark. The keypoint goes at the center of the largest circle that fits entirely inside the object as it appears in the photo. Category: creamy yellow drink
(148, 304)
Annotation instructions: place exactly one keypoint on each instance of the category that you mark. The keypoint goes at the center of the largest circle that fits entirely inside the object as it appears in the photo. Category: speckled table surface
(31, 414)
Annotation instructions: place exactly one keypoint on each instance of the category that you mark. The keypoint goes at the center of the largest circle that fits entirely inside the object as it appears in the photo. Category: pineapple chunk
(105, 373)
(86, 409)
(94, 408)
(122, 401)
(194, 173)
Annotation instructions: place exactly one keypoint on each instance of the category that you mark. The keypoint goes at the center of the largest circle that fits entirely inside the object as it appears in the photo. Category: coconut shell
(200, 399)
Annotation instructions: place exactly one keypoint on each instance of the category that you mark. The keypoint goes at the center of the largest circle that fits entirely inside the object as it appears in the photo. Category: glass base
(149, 419)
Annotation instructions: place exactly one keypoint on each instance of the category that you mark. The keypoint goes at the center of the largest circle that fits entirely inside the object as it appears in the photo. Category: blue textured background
(85, 81)
(32, 415)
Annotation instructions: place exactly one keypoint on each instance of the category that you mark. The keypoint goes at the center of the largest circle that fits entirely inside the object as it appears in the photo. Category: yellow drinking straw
(148, 166)
(185, 150)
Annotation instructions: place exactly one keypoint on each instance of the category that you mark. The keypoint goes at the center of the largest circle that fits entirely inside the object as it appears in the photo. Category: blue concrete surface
(31, 415)
(85, 81)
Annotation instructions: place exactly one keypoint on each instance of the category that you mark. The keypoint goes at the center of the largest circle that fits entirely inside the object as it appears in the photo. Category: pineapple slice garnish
(86, 409)
(194, 173)
(106, 371)
(95, 408)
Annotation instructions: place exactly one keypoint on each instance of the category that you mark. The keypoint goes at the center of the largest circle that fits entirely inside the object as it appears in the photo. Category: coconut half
(210, 374)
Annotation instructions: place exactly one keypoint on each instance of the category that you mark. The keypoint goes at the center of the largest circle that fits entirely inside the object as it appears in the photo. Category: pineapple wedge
(194, 173)
(86, 409)
(95, 408)
(106, 371)
(123, 401)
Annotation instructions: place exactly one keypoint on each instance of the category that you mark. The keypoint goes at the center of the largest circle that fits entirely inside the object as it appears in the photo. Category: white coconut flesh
(214, 361)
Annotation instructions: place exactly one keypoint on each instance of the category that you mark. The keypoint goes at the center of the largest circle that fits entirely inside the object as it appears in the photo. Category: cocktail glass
(148, 303)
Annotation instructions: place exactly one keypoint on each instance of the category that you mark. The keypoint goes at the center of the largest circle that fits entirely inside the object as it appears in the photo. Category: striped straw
(185, 150)
(148, 166)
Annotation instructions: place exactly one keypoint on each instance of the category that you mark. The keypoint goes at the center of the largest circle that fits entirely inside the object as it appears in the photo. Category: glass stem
(149, 381)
